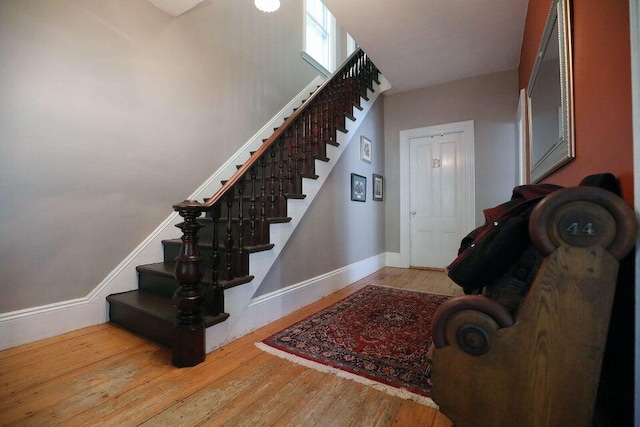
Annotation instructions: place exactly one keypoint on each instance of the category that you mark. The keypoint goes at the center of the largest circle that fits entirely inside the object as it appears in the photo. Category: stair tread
(146, 302)
(156, 306)
(271, 219)
(153, 314)
(206, 243)
(166, 269)
(295, 196)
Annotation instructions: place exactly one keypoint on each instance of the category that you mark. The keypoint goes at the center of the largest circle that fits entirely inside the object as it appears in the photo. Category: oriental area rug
(379, 336)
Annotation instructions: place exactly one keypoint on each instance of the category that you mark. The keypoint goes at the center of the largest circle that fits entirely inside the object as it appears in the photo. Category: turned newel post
(188, 334)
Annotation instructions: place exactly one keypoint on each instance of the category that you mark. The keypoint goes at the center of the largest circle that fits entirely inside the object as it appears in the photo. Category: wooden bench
(541, 365)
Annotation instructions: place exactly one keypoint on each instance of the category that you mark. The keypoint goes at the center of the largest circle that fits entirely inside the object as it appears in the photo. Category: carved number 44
(588, 230)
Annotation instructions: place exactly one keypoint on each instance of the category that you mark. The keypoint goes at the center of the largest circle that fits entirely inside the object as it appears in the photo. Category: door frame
(405, 178)
(634, 13)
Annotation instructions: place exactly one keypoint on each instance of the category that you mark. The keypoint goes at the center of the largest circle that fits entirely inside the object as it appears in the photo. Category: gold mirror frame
(550, 96)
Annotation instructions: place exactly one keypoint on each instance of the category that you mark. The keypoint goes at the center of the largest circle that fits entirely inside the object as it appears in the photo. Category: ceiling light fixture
(267, 5)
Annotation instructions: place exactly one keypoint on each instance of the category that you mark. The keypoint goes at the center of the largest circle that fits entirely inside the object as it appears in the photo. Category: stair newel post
(240, 267)
(252, 208)
(229, 236)
(218, 291)
(188, 336)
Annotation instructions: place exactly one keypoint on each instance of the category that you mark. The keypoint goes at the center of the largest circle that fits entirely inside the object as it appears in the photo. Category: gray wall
(491, 101)
(110, 112)
(336, 231)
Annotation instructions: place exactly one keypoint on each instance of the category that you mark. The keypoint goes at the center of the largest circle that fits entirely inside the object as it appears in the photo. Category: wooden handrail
(290, 152)
(264, 148)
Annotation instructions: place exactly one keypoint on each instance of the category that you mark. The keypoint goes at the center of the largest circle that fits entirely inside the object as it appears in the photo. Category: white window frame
(351, 45)
(331, 44)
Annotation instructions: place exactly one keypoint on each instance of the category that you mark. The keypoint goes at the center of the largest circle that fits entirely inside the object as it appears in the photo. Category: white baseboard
(36, 323)
(270, 307)
(395, 259)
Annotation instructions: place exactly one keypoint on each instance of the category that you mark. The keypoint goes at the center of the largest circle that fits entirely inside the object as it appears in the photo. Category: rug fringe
(394, 391)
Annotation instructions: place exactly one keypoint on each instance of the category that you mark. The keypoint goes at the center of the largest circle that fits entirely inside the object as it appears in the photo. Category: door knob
(413, 213)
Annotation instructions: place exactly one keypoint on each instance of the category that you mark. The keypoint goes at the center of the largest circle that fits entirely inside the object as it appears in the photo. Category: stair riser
(165, 286)
(264, 197)
(240, 262)
(270, 207)
(157, 284)
(158, 330)
(260, 232)
(275, 205)
(304, 163)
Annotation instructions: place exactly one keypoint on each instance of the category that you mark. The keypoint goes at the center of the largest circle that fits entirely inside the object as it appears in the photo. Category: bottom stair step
(149, 315)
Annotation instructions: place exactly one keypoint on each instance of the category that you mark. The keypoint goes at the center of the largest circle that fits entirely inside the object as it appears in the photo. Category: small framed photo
(378, 187)
(365, 149)
(358, 188)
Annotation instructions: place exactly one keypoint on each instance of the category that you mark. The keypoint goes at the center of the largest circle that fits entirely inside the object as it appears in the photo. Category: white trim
(634, 13)
(31, 324)
(394, 259)
(332, 42)
(270, 307)
(304, 293)
(328, 280)
(405, 197)
(315, 64)
(521, 138)
(244, 317)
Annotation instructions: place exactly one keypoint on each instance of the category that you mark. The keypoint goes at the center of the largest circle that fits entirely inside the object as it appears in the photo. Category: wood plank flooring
(104, 375)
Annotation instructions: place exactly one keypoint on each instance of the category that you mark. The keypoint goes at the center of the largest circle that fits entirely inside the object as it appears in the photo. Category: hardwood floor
(103, 375)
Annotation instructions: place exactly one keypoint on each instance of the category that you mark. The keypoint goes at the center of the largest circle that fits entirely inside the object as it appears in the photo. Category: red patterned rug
(379, 336)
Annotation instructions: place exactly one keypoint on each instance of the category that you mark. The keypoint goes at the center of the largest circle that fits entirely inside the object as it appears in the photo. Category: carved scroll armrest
(583, 217)
(469, 321)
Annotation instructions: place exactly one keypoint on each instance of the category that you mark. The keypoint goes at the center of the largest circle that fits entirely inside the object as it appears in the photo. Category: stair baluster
(229, 236)
(252, 209)
(240, 267)
(281, 201)
(263, 200)
(217, 306)
(199, 300)
(273, 183)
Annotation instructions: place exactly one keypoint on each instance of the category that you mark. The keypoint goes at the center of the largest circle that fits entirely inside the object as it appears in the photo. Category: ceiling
(421, 43)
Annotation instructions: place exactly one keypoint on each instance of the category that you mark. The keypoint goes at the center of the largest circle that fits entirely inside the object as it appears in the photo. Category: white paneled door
(439, 198)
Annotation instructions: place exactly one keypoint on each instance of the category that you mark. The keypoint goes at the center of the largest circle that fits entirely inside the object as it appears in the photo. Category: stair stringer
(246, 317)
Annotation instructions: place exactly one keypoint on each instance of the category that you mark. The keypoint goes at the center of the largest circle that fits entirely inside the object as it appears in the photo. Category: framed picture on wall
(378, 187)
(358, 188)
(365, 149)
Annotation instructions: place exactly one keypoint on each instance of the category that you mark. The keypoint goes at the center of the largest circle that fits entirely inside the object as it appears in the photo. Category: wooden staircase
(178, 298)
